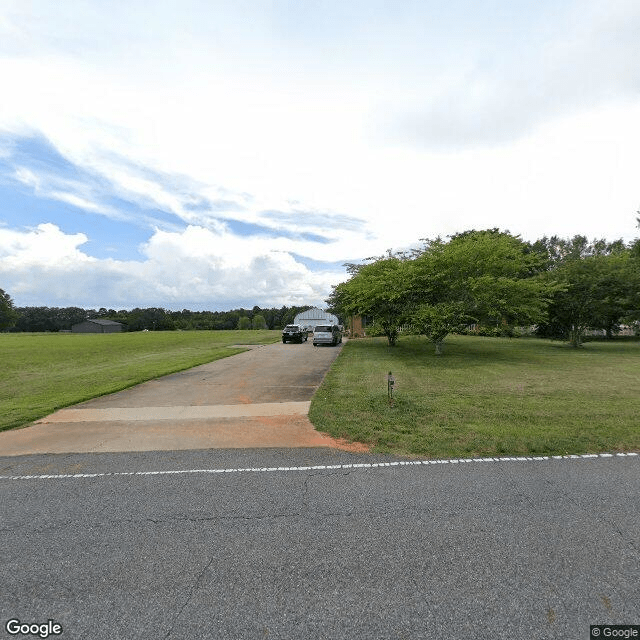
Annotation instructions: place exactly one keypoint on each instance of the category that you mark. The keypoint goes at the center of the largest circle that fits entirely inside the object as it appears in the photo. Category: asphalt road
(502, 549)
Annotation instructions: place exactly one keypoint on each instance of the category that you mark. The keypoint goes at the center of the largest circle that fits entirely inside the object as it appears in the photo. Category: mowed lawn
(484, 397)
(44, 372)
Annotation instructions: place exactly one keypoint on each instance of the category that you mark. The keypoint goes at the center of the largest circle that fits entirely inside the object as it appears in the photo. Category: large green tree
(477, 276)
(377, 289)
(8, 314)
(600, 290)
(485, 276)
(258, 322)
(244, 322)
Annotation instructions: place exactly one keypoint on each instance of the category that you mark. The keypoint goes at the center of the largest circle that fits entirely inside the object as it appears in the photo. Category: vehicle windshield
(323, 328)
(292, 327)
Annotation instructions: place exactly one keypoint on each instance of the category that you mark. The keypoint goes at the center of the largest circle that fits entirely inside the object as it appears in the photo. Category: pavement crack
(194, 586)
(625, 537)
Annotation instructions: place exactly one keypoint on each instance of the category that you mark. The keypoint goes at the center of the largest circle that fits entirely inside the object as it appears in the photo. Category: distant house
(97, 326)
(357, 328)
(312, 317)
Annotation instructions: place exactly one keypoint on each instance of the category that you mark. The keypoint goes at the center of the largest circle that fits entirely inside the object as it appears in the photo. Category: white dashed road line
(364, 465)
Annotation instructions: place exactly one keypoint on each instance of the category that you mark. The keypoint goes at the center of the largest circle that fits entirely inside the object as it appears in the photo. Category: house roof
(101, 321)
(316, 314)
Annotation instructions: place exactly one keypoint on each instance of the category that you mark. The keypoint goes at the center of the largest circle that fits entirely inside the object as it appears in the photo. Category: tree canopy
(600, 288)
(478, 276)
(8, 314)
(494, 278)
(377, 289)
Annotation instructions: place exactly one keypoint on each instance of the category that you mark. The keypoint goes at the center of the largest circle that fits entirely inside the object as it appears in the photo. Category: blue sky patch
(39, 185)
(251, 229)
(115, 226)
(108, 238)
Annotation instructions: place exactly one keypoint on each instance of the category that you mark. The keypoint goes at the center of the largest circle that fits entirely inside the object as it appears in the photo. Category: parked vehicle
(294, 333)
(327, 334)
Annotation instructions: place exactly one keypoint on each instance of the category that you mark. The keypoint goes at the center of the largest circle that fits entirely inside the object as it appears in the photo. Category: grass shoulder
(483, 397)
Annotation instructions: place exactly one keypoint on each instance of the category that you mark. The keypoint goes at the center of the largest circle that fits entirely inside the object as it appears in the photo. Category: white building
(310, 318)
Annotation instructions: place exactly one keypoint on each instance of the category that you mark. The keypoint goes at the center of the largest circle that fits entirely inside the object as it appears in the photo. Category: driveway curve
(259, 398)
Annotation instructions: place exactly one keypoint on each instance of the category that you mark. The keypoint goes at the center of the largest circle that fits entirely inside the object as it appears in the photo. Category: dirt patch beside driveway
(259, 398)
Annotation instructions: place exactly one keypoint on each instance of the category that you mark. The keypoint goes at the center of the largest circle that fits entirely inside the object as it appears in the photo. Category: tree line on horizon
(53, 319)
(494, 282)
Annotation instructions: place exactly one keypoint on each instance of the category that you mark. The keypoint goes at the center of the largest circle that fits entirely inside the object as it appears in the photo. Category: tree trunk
(574, 336)
(439, 347)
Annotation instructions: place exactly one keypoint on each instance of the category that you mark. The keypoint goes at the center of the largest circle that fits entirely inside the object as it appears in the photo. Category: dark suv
(294, 333)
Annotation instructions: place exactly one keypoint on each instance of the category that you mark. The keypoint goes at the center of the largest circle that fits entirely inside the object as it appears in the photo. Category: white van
(327, 334)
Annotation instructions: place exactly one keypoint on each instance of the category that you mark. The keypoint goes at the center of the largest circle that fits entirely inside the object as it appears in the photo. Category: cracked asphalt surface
(538, 549)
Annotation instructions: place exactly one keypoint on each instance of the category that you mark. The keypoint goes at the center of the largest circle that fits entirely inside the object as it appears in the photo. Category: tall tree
(377, 289)
(488, 276)
(258, 322)
(485, 276)
(244, 322)
(599, 291)
(8, 314)
(36, 319)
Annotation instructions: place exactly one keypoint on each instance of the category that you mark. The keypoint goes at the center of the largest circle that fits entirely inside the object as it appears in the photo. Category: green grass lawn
(44, 372)
(484, 397)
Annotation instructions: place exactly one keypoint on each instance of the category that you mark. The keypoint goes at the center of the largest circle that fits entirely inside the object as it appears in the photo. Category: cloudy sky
(210, 154)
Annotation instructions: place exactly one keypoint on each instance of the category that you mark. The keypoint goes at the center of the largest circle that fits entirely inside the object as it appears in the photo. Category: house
(312, 317)
(97, 325)
(357, 328)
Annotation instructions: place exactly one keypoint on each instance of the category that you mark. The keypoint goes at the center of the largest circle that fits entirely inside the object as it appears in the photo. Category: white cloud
(58, 189)
(587, 61)
(76, 201)
(43, 247)
(45, 266)
(220, 263)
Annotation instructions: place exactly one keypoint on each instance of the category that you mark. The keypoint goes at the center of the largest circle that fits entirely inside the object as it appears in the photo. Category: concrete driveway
(259, 398)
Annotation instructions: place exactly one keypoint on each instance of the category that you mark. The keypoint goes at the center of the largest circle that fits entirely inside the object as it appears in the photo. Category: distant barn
(313, 317)
(97, 326)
